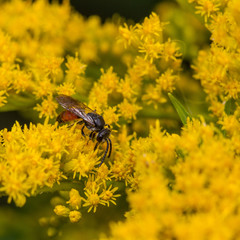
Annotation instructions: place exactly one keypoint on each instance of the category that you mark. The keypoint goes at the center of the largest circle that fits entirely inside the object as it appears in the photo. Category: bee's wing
(78, 108)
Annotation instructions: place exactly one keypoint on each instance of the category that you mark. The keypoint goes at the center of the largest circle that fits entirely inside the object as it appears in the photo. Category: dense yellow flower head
(217, 68)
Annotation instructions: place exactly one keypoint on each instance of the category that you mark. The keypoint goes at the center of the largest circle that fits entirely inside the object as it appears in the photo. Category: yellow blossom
(128, 110)
(231, 124)
(8, 48)
(103, 172)
(152, 50)
(98, 97)
(154, 95)
(49, 66)
(82, 165)
(93, 199)
(75, 68)
(74, 216)
(47, 108)
(66, 89)
(61, 210)
(110, 116)
(170, 51)
(151, 27)
(126, 88)
(43, 87)
(128, 35)
(2, 98)
(75, 199)
(167, 80)
(109, 196)
(143, 67)
(109, 79)
(207, 7)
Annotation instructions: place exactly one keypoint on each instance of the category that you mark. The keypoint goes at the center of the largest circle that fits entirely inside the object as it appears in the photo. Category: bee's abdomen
(66, 116)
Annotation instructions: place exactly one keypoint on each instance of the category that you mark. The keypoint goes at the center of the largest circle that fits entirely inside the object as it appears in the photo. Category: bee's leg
(92, 135)
(80, 122)
(107, 125)
(110, 149)
(104, 153)
(59, 118)
(96, 146)
(83, 131)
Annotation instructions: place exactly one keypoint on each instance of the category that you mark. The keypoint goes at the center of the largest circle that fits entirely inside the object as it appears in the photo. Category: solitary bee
(93, 121)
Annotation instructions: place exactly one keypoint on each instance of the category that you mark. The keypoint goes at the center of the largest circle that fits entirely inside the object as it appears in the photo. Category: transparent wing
(76, 107)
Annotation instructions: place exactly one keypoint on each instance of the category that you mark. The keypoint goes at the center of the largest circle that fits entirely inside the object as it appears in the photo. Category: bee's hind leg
(83, 131)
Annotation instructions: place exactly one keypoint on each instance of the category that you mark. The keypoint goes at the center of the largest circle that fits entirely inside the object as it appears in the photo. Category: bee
(93, 121)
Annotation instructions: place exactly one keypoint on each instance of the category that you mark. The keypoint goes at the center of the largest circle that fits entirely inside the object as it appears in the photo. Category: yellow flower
(98, 97)
(49, 66)
(151, 27)
(47, 108)
(128, 110)
(75, 199)
(43, 87)
(207, 7)
(75, 68)
(103, 173)
(16, 187)
(170, 51)
(93, 199)
(152, 50)
(110, 116)
(231, 124)
(126, 88)
(8, 48)
(143, 68)
(154, 96)
(74, 216)
(66, 89)
(82, 165)
(2, 97)
(109, 79)
(167, 80)
(61, 210)
(109, 196)
(128, 35)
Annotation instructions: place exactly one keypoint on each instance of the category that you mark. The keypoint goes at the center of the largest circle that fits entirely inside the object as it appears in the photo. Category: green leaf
(182, 112)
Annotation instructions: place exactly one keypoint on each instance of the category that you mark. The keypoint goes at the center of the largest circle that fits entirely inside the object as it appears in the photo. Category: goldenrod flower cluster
(181, 185)
(218, 67)
(187, 186)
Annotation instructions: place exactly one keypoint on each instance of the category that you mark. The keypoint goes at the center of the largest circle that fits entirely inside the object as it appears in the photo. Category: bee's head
(103, 134)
